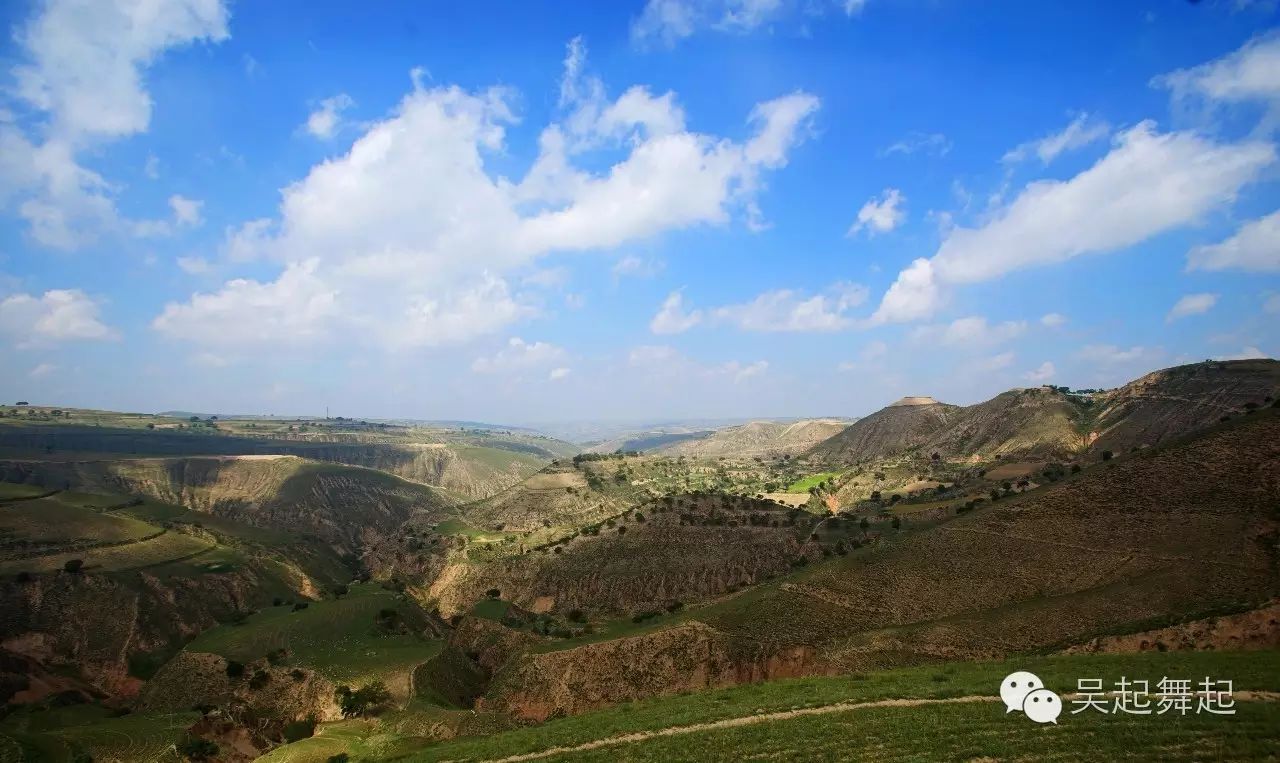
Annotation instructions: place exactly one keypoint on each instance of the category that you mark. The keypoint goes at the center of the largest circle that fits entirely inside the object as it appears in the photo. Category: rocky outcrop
(689, 657)
(1255, 629)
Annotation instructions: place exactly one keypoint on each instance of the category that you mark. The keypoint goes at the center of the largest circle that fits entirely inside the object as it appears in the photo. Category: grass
(54, 522)
(491, 609)
(803, 484)
(162, 549)
(13, 491)
(913, 733)
(58, 734)
(338, 638)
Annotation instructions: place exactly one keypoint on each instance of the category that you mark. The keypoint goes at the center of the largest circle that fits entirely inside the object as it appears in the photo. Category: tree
(74, 565)
(367, 700)
(493, 593)
(897, 522)
(864, 523)
(234, 669)
(1107, 455)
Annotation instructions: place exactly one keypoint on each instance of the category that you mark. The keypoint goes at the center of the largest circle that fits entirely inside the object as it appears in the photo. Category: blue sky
(527, 212)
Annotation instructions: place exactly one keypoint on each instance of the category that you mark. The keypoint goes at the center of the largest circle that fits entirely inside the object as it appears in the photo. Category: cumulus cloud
(408, 239)
(80, 76)
(1110, 206)
(1108, 354)
(519, 355)
(1053, 320)
(186, 211)
(59, 315)
(558, 373)
(1248, 353)
(672, 318)
(196, 266)
(1191, 304)
(881, 214)
(1254, 247)
(324, 121)
(790, 310)
(1042, 374)
(637, 267)
(1250, 74)
(973, 331)
(667, 22)
(1082, 131)
(665, 362)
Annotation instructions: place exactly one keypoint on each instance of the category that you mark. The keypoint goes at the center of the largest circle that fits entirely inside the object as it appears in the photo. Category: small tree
(195, 748)
(74, 565)
(493, 593)
(897, 522)
(1107, 455)
(234, 669)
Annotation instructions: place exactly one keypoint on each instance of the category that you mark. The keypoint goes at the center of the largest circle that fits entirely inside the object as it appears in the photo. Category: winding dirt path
(749, 720)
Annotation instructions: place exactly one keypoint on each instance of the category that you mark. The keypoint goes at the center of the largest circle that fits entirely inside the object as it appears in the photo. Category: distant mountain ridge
(1053, 422)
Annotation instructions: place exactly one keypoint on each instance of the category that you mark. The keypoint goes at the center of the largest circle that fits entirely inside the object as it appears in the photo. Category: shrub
(493, 593)
(1107, 455)
(576, 616)
(260, 680)
(195, 748)
(298, 730)
(74, 565)
(301, 606)
(367, 700)
(234, 669)
(341, 757)
(1075, 468)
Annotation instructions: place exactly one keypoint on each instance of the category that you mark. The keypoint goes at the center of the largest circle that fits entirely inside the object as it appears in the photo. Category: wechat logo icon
(1025, 691)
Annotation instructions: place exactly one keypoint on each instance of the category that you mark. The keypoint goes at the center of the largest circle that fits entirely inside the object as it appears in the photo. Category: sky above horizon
(657, 209)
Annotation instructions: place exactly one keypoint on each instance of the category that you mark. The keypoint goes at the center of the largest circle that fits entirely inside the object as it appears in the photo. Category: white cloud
(990, 364)
(519, 355)
(151, 168)
(935, 144)
(665, 362)
(789, 310)
(1081, 132)
(1248, 353)
(408, 240)
(972, 331)
(637, 267)
(323, 123)
(670, 21)
(881, 214)
(194, 265)
(81, 73)
(1147, 184)
(42, 370)
(1040, 375)
(1254, 247)
(1108, 354)
(558, 373)
(1250, 74)
(1053, 320)
(1191, 304)
(186, 211)
(58, 315)
(672, 318)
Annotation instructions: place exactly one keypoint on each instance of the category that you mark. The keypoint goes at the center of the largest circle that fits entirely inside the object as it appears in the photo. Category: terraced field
(67, 734)
(337, 638)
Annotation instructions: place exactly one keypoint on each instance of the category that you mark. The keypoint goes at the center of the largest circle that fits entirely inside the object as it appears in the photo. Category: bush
(260, 680)
(301, 606)
(367, 700)
(341, 757)
(74, 565)
(1107, 455)
(298, 730)
(234, 669)
(576, 616)
(493, 593)
(195, 748)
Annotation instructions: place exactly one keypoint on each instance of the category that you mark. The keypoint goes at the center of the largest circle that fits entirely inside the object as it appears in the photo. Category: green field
(803, 484)
(55, 521)
(161, 549)
(337, 638)
(973, 729)
(60, 734)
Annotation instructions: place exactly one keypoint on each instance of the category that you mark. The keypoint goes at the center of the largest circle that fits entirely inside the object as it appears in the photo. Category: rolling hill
(757, 438)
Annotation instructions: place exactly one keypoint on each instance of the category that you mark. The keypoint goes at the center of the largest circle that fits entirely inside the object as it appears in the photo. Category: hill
(906, 424)
(1055, 423)
(1178, 531)
(757, 438)
(469, 462)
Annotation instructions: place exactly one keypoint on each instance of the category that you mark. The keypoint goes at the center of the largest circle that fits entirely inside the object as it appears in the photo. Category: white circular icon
(1042, 706)
(1015, 688)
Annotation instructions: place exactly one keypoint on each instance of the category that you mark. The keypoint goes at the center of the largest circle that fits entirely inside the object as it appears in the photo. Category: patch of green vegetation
(1248, 670)
(338, 638)
(491, 609)
(803, 484)
(12, 490)
(70, 733)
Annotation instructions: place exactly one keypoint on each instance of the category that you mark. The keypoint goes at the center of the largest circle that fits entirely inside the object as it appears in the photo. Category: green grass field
(967, 731)
(162, 549)
(803, 484)
(56, 521)
(59, 734)
(337, 638)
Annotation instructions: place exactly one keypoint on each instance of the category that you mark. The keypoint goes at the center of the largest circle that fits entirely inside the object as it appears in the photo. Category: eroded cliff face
(192, 679)
(689, 657)
(96, 624)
